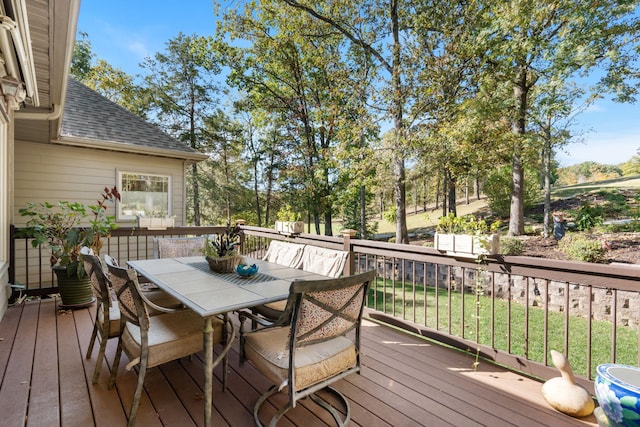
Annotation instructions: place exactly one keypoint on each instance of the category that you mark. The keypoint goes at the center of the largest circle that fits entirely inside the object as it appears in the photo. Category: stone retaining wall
(628, 303)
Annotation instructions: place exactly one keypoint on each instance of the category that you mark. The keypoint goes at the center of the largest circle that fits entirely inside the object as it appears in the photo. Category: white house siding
(50, 172)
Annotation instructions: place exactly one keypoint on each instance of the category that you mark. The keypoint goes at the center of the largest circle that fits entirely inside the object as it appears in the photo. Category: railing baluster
(511, 282)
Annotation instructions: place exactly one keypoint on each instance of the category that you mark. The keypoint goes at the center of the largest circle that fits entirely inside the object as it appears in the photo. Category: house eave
(127, 148)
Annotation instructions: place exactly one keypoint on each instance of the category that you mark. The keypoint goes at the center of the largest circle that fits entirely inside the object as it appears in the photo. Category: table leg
(207, 332)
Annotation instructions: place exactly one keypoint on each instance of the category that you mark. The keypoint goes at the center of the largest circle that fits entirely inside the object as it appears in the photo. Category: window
(144, 194)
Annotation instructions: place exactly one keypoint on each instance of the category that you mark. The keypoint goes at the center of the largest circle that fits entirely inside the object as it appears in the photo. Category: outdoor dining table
(208, 294)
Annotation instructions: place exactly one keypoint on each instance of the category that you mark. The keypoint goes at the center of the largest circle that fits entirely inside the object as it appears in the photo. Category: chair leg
(103, 346)
(94, 334)
(116, 363)
(265, 396)
(326, 405)
(142, 371)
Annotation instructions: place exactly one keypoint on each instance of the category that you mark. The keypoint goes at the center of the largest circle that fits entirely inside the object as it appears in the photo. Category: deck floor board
(45, 379)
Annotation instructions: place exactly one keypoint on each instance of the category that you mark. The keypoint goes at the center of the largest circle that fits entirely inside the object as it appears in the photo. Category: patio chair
(328, 262)
(149, 341)
(149, 291)
(106, 323)
(175, 247)
(316, 343)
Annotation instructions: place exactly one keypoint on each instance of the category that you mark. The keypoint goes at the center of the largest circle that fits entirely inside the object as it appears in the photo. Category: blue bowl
(618, 392)
(245, 270)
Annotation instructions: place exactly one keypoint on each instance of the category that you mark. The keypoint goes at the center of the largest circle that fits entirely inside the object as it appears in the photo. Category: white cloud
(605, 148)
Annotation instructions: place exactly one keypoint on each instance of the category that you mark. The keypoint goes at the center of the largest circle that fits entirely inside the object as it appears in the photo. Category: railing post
(350, 266)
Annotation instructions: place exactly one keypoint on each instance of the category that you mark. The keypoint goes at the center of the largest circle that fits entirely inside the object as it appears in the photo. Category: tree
(299, 79)
(182, 88)
(554, 107)
(109, 81)
(374, 31)
(526, 42)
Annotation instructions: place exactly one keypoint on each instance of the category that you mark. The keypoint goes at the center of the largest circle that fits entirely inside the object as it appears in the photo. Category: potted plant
(58, 226)
(288, 221)
(221, 250)
(467, 236)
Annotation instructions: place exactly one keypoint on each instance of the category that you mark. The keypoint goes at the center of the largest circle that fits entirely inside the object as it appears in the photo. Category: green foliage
(391, 214)
(351, 212)
(588, 216)
(511, 246)
(498, 190)
(223, 244)
(587, 172)
(580, 247)
(58, 227)
(467, 224)
(286, 213)
(82, 58)
(631, 167)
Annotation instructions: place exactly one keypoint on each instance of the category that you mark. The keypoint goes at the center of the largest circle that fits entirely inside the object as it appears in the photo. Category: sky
(124, 33)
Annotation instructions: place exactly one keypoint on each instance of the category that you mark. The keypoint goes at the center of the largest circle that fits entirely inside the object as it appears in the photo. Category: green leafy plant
(224, 244)
(588, 217)
(467, 224)
(58, 226)
(579, 247)
(511, 246)
(286, 213)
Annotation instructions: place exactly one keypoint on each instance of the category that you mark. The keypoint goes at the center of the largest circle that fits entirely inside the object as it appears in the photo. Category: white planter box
(154, 223)
(289, 227)
(467, 245)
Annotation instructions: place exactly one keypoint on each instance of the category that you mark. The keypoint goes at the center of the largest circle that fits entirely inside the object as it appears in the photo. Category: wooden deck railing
(513, 310)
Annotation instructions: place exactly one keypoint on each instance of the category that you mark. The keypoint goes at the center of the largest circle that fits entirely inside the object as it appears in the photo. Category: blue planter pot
(617, 388)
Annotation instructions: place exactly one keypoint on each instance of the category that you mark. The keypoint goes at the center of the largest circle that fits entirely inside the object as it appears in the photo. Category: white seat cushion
(284, 253)
(114, 319)
(171, 336)
(328, 262)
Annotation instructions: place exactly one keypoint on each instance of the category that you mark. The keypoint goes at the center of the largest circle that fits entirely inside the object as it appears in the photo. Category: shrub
(498, 190)
(579, 247)
(511, 246)
(588, 217)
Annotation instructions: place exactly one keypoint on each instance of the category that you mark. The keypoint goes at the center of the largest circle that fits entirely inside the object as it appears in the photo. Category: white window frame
(125, 214)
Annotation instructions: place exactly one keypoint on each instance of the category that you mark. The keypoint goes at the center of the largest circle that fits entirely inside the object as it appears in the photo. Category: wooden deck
(406, 381)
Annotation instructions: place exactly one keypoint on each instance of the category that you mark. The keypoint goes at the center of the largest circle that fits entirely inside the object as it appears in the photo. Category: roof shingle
(89, 115)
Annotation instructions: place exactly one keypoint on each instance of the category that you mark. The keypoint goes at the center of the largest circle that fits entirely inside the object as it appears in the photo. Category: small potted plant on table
(221, 250)
(59, 227)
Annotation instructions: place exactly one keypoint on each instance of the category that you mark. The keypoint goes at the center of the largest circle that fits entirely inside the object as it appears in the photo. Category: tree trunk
(453, 206)
(402, 234)
(516, 214)
(437, 193)
(546, 162)
(444, 193)
(196, 195)
(363, 213)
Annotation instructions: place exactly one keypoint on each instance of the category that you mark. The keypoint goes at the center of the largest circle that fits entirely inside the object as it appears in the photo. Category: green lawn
(529, 344)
